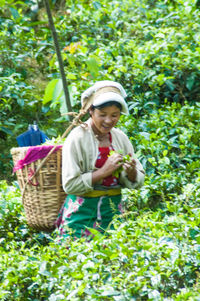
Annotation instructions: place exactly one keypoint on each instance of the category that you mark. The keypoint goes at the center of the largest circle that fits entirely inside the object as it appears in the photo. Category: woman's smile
(103, 120)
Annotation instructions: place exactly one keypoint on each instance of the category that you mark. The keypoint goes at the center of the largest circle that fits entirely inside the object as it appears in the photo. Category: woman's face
(103, 120)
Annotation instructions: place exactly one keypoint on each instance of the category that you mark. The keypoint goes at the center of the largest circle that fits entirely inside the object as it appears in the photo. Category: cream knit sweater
(79, 154)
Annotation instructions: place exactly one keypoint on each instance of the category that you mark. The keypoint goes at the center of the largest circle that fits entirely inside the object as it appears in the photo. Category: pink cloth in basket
(34, 153)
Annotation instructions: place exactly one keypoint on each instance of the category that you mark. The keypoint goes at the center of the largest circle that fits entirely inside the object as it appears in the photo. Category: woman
(89, 169)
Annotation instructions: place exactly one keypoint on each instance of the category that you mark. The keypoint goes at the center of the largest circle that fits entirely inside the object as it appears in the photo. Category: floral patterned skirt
(78, 214)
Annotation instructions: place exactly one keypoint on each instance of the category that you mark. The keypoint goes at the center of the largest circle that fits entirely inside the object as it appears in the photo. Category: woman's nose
(108, 120)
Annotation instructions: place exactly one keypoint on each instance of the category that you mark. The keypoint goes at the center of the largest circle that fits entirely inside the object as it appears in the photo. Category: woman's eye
(104, 115)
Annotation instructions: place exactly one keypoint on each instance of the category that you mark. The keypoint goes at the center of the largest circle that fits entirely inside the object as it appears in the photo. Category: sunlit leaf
(93, 66)
(48, 96)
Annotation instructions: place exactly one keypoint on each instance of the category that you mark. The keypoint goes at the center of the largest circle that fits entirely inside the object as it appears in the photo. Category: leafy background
(153, 49)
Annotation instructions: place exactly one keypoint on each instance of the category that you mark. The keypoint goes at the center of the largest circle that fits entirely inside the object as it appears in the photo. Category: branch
(60, 61)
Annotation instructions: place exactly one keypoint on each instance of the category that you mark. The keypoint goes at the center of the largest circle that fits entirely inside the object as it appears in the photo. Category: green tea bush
(167, 143)
(147, 257)
(152, 48)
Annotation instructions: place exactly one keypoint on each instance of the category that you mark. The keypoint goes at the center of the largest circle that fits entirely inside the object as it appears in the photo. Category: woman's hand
(112, 163)
(130, 168)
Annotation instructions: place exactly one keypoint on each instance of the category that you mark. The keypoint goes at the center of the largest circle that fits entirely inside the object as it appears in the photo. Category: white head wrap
(105, 91)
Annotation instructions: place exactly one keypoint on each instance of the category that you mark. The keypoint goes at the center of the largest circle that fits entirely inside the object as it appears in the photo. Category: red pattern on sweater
(101, 159)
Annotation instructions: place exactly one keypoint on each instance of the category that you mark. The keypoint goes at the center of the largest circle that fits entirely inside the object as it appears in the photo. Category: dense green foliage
(152, 48)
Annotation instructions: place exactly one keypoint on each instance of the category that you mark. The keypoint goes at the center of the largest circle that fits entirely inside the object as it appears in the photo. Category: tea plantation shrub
(167, 143)
(151, 47)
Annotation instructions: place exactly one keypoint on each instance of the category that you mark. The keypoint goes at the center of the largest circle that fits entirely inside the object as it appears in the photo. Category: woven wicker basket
(44, 196)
